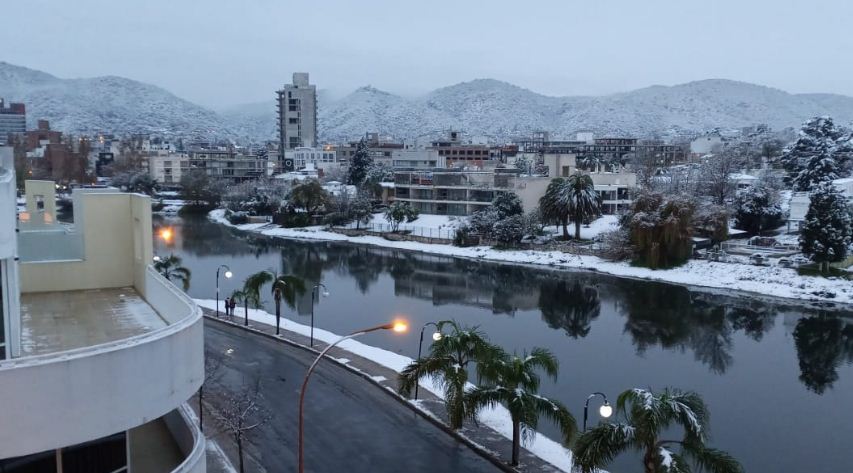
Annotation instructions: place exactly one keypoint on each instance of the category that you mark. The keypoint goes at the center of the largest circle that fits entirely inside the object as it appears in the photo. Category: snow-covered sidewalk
(765, 280)
(497, 418)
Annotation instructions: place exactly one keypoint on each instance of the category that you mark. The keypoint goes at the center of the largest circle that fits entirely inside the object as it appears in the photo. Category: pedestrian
(227, 306)
(232, 305)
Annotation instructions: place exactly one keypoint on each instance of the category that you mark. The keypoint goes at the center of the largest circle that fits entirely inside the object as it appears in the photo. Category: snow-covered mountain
(106, 104)
(479, 107)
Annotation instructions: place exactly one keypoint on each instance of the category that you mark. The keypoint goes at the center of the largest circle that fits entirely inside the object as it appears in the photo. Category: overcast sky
(223, 52)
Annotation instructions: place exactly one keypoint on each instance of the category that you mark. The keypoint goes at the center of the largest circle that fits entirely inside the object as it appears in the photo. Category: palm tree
(572, 199)
(647, 417)
(285, 287)
(171, 269)
(514, 382)
(447, 364)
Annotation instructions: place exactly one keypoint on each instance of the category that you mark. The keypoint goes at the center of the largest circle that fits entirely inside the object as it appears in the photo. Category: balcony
(97, 362)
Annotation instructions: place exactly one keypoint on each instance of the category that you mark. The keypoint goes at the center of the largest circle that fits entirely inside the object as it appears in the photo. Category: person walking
(227, 305)
(232, 304)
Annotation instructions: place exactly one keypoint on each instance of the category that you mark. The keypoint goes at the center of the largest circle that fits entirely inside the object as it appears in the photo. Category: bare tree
(716, 174)
(241, 413)
(212, 364)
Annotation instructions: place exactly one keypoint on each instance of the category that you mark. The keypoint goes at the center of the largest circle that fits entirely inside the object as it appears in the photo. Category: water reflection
(823, 344)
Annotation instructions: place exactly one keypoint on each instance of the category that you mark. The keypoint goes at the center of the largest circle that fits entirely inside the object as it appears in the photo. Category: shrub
(509, 231)
(463, 237)
(236, 218)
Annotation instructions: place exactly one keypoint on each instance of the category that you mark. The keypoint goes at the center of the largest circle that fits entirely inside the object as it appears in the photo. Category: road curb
(478, 449)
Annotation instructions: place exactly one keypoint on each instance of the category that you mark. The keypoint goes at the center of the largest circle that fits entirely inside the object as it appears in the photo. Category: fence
(424, 232)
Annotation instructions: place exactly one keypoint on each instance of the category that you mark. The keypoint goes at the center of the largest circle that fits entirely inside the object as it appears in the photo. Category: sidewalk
(486, 441)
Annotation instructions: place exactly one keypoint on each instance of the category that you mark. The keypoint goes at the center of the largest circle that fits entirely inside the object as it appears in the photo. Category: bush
(483, 222)
(399, 212)
(236, 218)
(509, 231)
(463, 237)
(291, 219)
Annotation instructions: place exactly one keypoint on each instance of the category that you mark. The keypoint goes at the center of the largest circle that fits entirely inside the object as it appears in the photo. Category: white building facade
(297, 114)
(99, 352)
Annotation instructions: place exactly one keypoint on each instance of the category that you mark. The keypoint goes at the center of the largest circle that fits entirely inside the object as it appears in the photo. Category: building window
(293, 121)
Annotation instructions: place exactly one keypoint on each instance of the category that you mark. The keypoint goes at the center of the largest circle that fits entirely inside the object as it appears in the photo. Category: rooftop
(65, 320)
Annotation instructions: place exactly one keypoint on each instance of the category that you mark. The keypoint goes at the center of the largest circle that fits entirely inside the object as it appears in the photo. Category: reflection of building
(459, 192)
(98, 352)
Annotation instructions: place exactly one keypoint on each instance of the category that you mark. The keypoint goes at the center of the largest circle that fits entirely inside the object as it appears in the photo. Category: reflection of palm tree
(364, 268)
(646, 428)
(754, 323)
(570, 306)
(171, 268)
(822, 342)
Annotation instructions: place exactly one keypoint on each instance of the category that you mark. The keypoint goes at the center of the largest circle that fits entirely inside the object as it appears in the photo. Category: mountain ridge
(482, 106)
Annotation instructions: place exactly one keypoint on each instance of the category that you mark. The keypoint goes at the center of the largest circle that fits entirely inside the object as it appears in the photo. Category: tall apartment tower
(13, 119)
(297, 115)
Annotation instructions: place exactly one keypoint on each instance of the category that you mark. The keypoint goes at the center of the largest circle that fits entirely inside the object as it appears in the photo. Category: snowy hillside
(480, 107)
(105, 104)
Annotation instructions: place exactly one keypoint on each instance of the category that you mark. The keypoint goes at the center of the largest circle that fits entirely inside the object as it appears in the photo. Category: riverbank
(492, 435)
(770, 281)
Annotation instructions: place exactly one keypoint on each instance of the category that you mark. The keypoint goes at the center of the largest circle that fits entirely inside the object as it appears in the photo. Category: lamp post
(325, 293)
(398, 327)
(435, 336)
(606, 410)
(228, 275)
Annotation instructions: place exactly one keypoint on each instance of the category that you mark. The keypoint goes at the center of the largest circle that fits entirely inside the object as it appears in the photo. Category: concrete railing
(59, 399)
(183, 425)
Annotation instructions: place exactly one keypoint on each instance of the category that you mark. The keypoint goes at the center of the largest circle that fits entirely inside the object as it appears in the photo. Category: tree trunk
(277, 315)
(240, 451)
(577, 229)
(565, 230)
(246, 312)
(516, 441)
(649, 461)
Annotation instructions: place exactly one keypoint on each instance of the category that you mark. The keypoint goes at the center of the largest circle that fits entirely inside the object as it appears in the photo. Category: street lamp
(397, 326)
(325, 293)
(435, 336)
(228, 275)
(606, 410)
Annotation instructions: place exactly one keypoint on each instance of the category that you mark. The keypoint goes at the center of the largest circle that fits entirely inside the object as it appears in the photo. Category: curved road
(350, 426)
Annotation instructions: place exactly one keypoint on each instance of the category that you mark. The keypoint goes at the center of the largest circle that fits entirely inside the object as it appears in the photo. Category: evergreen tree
(510, 230)
(826, 232)
(507, 204)
(359, 164)
(817, 135)
(757, 208)
(820, 167)
(660, 229)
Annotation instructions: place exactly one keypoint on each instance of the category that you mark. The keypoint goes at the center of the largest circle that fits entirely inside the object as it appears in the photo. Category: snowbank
(497, 418)
(766, 280)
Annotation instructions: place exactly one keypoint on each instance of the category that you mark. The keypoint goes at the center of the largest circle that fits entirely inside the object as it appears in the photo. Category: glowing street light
(436, 336)
(398, 326)
(605, 411)
(166, 234)
(228, 275)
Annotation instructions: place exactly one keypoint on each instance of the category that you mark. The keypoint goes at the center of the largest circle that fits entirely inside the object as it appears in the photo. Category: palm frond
(597, 447)
(688, 409)
(432, 366)
(711, 459)
(557, 413)
(671, 462)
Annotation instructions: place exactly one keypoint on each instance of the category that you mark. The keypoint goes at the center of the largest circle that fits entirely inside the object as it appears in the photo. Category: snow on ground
(603, 224)
(767, 280)
(497, 417)
(443, 222)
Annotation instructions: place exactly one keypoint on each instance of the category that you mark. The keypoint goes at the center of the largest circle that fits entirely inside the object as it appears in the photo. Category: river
(777, 376)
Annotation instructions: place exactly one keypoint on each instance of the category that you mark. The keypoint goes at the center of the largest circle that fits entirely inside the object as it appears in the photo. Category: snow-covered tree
(817, 136)
(826, 232)
(483, 222)
(400, 212)
(507, 204)
(758, 208)
(820, 167)
(359, 164)
(508, 231)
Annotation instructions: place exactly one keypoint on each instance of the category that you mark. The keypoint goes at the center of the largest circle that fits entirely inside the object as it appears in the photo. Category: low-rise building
(227, 163)
(323, 159)
(168, 169)
(417, 158)
(98, 352)
(463, 192)
(460, 154)
(615, 189)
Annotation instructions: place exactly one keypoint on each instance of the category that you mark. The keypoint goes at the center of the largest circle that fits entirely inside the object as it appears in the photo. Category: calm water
(778, 378)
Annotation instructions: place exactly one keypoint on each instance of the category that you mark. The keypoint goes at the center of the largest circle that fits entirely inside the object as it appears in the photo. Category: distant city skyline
(219, 53)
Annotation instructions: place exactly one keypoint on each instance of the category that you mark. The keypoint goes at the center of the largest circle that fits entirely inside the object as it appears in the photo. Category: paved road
(350, 425)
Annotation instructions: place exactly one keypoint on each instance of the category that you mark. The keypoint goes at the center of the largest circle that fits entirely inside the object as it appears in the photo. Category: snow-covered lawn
(768, 280)
(603, 224)
(497, 417)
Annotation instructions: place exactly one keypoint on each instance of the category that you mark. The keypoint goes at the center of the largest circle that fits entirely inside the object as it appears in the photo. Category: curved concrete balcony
(97, 362)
